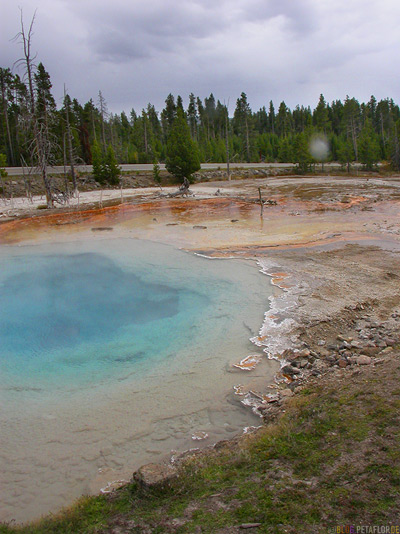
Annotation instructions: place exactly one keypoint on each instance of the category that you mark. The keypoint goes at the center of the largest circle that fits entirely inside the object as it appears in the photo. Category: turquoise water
(113, 353)
(71, 317)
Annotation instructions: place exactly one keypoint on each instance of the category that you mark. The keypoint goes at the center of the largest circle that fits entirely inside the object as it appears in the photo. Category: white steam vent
(319, 148)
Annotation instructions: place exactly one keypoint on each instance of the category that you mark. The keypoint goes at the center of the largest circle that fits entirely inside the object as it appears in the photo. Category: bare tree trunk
(247, 141)
(354, 138)
(227, 145)
(261, 202)
(145, 135)
(70, 151)
(27, 180)
(39, 133)
(102, 103)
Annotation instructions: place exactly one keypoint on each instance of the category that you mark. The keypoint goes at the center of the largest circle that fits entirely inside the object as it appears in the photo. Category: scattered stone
(199, 227)
(343, 363)
(371, 351)
(154, 475)
(363, 360)
(249, 525)
(102, 229)
(386, 350)
(286, 392)
(289, 370)
(114, 485)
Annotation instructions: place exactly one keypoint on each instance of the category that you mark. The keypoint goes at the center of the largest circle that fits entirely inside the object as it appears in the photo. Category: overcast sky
(138, 51)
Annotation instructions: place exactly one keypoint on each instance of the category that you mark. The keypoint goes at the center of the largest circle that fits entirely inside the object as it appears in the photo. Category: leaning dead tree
(41, 147)
(183, 191)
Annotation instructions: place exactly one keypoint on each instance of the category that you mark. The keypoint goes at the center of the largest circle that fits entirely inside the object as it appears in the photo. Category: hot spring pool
(113, 353)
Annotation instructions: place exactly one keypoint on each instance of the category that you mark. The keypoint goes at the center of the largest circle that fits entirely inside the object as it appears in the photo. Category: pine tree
(321, 115)
(351, 122)
(97, 162)
(168, 115)
(45, 103)
(395, 147)
(368, 146)
(271, 117)
(345, 152)
(112, 171)
(192, 116)
(182, 154)
(301, 153)
(6, 86)
(242, 121)
(283, 120)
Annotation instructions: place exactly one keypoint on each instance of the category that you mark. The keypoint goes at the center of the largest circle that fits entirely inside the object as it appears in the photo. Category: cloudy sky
(138, 51)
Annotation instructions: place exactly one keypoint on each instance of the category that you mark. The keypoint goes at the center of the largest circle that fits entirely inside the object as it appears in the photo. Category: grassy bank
(331, 459)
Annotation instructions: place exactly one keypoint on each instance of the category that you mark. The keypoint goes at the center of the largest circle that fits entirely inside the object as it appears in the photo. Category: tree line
(87, 133)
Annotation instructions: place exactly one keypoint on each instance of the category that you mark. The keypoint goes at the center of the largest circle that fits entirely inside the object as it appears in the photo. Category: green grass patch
(332, 458)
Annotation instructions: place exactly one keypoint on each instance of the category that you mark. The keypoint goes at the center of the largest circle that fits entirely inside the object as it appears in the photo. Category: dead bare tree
(41, 146)
(103, 116)
(227, 141)
(27, 171)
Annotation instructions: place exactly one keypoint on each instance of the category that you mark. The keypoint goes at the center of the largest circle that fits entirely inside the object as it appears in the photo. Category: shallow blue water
(68, 315)
(88, 312)
(113, 352)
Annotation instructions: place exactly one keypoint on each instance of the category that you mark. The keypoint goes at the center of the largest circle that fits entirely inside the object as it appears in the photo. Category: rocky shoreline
(322, 339)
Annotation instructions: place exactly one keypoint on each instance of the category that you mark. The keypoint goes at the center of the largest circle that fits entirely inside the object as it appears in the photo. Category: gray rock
(154, 475)
(386, 350)
(363, 360)
(290, 370)
(371, 351)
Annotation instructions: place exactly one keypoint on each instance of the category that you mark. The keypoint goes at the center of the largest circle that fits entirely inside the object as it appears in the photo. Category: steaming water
(113, 353)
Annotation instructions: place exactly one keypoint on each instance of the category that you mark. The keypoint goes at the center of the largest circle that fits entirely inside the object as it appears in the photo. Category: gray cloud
(136, 51)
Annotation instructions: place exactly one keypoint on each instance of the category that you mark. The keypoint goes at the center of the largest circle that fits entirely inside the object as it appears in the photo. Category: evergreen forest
(355, 131)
